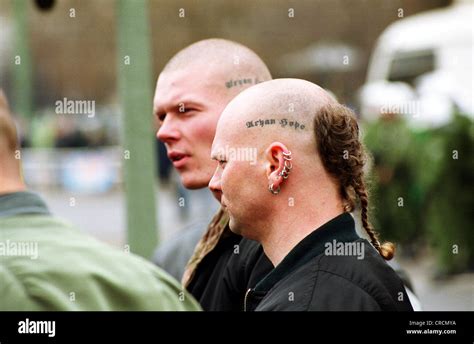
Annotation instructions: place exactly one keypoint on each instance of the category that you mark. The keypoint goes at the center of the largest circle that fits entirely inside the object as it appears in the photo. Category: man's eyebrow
(189, 103)
(177, 105)
(157, 109)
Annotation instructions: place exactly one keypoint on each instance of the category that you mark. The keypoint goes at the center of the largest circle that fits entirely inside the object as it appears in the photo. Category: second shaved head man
(192, 91)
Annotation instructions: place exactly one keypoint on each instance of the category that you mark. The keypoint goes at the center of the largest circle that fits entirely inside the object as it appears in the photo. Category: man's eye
(222, 162)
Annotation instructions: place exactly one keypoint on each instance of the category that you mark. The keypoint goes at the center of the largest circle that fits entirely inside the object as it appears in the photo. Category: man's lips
(178, 159)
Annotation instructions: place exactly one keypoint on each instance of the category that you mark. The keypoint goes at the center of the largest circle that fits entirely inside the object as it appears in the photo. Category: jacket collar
(340, 228)
(22, 203)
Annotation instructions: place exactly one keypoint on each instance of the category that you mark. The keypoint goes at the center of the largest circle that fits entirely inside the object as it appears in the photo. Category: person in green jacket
(47, 264)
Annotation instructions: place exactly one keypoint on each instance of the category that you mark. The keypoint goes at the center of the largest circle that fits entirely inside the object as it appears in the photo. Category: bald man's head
(277, 110)
(228, 56)
(307, 147)
(192, 91)
(275, 120)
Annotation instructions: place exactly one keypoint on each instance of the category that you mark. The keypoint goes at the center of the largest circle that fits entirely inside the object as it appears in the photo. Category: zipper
(245, 299)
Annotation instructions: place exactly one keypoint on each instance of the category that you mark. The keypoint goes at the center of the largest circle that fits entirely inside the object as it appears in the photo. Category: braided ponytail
(343, 156)
(387, 249)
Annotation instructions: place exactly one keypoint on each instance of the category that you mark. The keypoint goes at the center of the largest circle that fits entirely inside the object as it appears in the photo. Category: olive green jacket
(46, 264)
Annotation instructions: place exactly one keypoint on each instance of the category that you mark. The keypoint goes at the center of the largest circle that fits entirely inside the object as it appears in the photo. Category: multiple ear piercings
(284, 173)
(288, 166)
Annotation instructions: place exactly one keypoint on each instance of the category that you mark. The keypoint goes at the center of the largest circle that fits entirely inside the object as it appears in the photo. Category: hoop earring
(288, 165)
(274, 192)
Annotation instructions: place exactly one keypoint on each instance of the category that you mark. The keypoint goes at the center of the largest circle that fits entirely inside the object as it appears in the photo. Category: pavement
(103, 215)
(453, 293)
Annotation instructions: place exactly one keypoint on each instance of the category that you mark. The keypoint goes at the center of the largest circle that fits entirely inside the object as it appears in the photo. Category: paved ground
(455, 293)
(103, 217)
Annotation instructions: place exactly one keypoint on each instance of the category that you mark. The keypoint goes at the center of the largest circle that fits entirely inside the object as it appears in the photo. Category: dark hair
(343, 156)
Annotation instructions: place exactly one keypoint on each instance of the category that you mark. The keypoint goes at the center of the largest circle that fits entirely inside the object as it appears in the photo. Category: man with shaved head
(295, 199)
(191, 92)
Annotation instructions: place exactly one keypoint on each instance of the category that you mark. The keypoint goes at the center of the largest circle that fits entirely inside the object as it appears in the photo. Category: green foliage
(421, 192)
(450, 208)
(395, 191)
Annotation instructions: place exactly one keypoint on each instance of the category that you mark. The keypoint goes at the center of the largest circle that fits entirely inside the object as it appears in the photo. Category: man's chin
(193, 183)
(241, 229)
(234, 227)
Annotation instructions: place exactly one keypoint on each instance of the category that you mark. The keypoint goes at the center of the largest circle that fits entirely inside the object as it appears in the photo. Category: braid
(337, 132)
(387, 250)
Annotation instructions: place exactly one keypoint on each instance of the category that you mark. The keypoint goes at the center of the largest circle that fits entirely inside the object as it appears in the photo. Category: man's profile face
(188, 103)
(241, 183)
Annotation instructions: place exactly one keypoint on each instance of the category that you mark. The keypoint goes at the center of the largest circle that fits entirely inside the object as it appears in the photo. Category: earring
(288, 165)
(275, 192)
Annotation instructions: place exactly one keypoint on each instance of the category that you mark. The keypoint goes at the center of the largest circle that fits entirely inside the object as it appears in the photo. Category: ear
(275, 163)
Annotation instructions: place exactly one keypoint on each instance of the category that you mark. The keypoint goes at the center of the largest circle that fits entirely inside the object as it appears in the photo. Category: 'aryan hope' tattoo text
(282, 122)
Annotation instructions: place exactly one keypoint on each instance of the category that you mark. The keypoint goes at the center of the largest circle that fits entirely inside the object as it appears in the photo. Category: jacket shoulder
(367, 275)
(74, 271)
(349, 296)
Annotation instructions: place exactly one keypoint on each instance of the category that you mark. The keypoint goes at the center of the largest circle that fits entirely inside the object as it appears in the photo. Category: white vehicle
(422, 67)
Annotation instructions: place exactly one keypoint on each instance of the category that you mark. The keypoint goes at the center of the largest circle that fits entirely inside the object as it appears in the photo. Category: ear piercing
(275, 192)
(288, 165)
(284, 173)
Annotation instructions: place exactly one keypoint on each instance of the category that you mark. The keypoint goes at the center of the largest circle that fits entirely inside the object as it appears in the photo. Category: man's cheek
(225, 186)
(204, 132)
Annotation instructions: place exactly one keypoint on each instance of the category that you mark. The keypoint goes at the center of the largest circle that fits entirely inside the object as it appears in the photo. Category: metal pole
(22, 84)
(134, 62)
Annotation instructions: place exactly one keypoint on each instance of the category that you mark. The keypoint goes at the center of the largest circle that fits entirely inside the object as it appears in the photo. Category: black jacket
(223, 276)
(324, 273)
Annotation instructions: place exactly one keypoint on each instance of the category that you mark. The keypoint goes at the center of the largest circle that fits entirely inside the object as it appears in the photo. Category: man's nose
(168, 131)
(215, 184)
